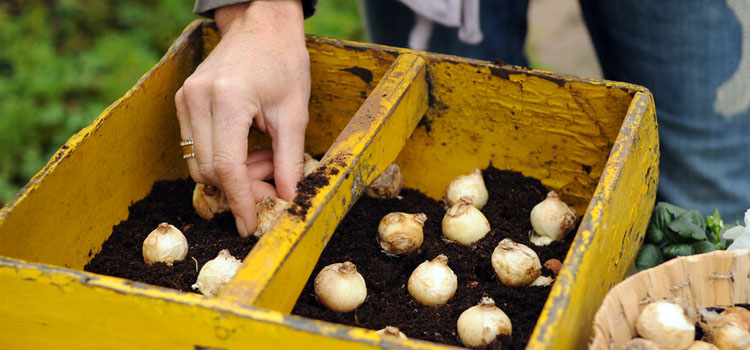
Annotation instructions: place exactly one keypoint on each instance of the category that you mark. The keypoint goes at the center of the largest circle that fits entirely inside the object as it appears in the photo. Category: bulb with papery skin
(433, 282)
(471, 186)
(464, 223)
(666, 324)
(729, 330)
(339, 287)
(401, 233)
(269, 209)
(388, 184)
(481, 324)
(310, 164)
(164, 244)
(216, 273)
(552, 220)
(391, 332)
(515, 264)
(209, 200)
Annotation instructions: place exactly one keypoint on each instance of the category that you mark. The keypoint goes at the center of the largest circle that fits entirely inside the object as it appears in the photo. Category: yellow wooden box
(593, 141)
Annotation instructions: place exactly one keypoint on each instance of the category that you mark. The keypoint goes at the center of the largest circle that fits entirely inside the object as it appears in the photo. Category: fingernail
(240, 226)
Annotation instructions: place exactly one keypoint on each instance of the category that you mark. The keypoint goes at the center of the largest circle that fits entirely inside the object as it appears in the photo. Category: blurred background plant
(64, 61)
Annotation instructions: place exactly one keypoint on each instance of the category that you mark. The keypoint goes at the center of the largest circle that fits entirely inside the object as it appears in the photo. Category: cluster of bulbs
(339, 287)
(168, 244)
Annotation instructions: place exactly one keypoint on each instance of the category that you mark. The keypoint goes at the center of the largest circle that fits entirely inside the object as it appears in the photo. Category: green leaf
(661, 215)
(685, 226)
(671, 208)
(675, 250)
(701, 247)
(654, 234)
(649, 256)
(695, 217)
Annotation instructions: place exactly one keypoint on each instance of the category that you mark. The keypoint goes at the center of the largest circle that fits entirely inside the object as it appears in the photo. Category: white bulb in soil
(481, 324)
(433, 283)
(470, 185)
(216, 273)
(269, 209)
(464, 223)
(515, 264)
(401, 233)
(391, 332)
(164, 244)
(339, 287)
(209, 200)
(551, 220)
(387, 184)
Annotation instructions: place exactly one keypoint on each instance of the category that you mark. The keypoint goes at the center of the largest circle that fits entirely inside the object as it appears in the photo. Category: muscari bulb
(209, 200)
(464, 223)
(216, 273)
(391, 331)
(388, 184)
(339, 287)
(164, 244)
(433, 283)
(481, 324)
(552, 220)
(515, 264)
(666, 324)
(401, 233)
(309, 164)
(471, 185)
(268, 209)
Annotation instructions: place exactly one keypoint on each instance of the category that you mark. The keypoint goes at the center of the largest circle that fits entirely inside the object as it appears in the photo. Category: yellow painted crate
(593, 141)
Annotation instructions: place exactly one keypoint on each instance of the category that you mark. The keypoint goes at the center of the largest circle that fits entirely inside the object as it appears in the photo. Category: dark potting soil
(512, 196)
(169, 201)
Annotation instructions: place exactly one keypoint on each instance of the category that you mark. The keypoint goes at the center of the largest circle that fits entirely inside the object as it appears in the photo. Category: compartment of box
(593, 141)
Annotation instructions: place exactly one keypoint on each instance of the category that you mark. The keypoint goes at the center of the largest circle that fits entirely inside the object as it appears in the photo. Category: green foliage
(62, 62)
(648, 256)
(673, 232)
(337, 19)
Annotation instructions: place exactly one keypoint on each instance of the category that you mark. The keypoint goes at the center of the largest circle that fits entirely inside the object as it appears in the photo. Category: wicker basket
(719, 278)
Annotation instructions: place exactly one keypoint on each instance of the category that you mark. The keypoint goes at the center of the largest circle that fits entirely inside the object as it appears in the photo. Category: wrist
(281, 15)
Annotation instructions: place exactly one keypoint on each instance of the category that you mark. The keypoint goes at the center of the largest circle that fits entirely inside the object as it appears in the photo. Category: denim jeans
(694, 56)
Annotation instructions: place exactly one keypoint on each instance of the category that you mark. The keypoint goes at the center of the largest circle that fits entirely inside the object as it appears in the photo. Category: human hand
(258, 73)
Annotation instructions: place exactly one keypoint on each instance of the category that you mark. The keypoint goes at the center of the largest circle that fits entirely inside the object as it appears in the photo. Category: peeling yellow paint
(593, 141)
